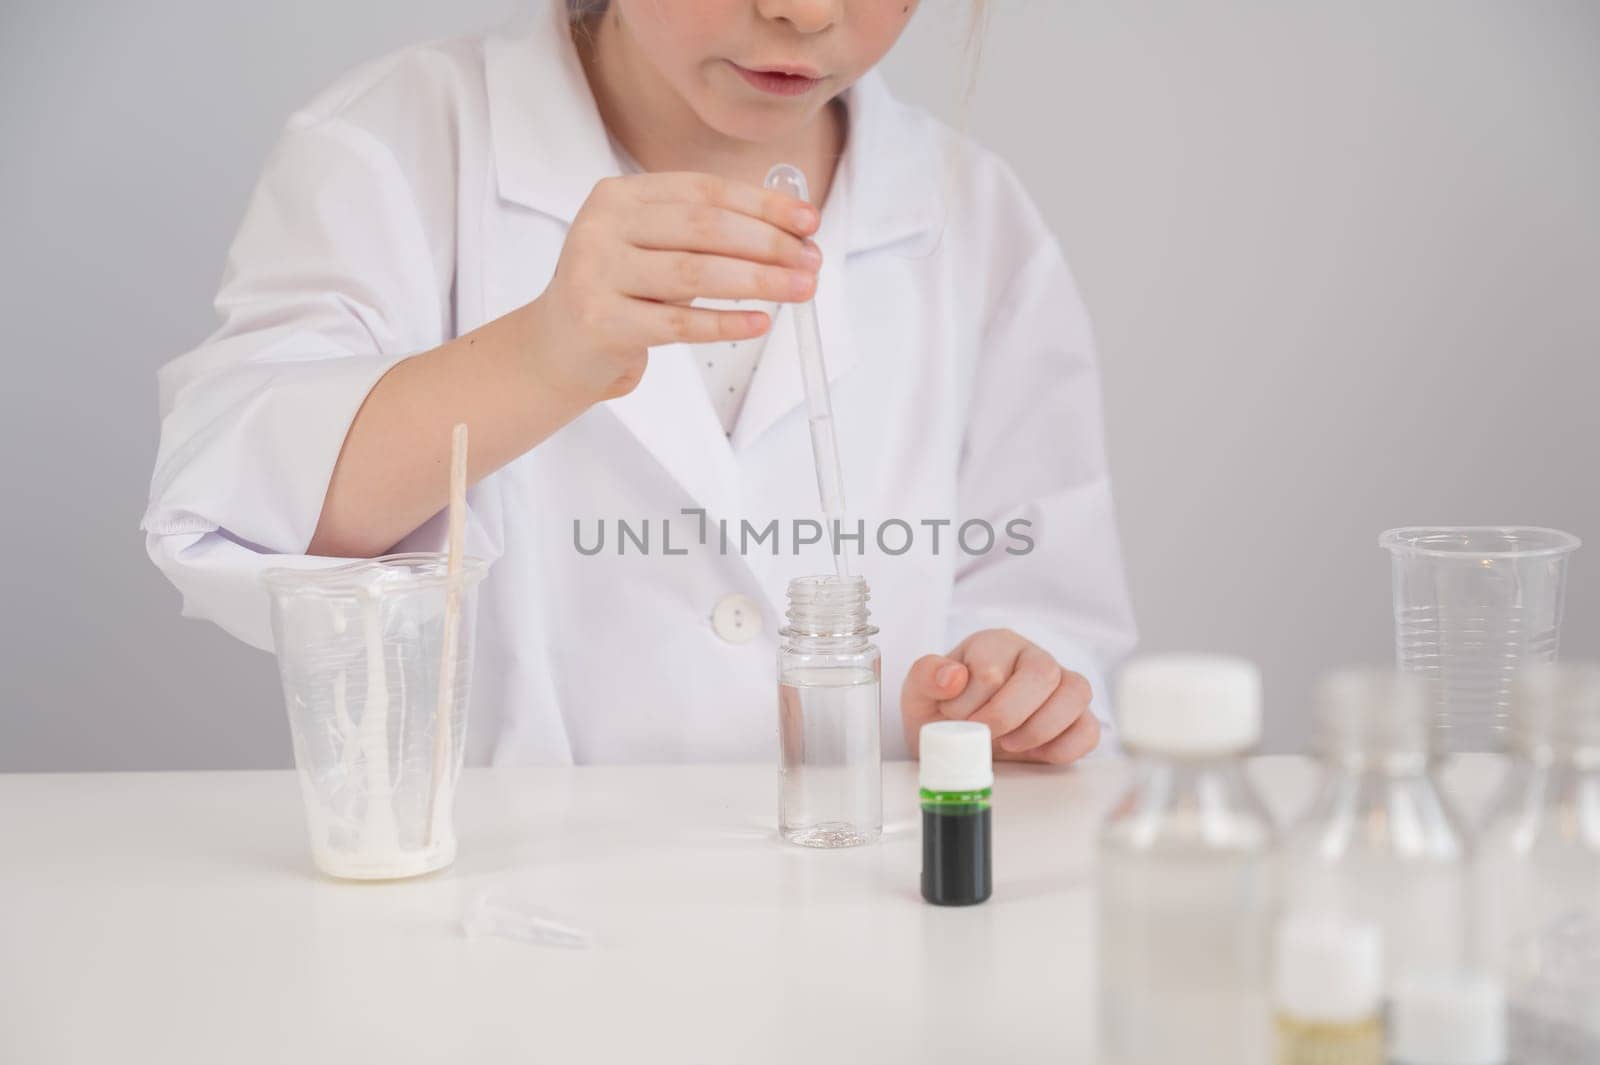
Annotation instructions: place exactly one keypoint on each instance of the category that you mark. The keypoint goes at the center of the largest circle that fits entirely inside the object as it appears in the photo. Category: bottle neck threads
(828, 612)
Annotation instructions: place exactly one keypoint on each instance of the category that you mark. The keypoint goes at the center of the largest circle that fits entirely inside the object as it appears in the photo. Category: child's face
(758, 70)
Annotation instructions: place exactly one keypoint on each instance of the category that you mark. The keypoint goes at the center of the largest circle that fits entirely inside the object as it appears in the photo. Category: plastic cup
(359, 649)
(1472, 604)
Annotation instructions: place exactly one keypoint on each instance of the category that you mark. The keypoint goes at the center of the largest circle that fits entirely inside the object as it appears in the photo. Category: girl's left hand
(1037, 711)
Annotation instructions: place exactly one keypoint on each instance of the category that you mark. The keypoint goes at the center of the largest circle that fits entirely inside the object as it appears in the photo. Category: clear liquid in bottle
(831, 790)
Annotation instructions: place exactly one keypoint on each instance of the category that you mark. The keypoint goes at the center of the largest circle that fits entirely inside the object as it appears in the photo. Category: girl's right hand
(639, 250)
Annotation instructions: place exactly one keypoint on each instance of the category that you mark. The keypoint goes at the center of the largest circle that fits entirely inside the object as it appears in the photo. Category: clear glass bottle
(1537, 870)
(1186, 895)
(1379, 841)
(830, 771)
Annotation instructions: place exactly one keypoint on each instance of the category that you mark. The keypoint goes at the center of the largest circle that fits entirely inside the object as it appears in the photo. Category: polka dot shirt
(728, 367)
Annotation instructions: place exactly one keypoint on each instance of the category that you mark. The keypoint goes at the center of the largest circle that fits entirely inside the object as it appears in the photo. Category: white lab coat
(430, 192)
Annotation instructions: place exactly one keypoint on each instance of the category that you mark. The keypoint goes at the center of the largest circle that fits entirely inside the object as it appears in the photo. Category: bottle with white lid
(1327, 990)
(1449, 1018)
(1379, 842)
(1185, 885)
(956, 779)
(1537, 868)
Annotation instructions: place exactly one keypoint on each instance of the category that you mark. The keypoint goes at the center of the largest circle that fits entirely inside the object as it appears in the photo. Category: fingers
(785, 212)
(1033, 678)
(931, 680)
(718, 231)
(644, 246)
(673, 276)
(665, 323)
(1068, 702)
(1036, 711)
(990, 655)
(1081, 737)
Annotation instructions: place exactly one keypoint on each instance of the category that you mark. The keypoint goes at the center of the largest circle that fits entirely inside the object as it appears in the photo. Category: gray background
(1344, 261)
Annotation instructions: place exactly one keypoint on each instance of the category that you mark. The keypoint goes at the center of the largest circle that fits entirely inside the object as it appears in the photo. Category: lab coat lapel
(671, 415)
(549, 143)
(550, 147)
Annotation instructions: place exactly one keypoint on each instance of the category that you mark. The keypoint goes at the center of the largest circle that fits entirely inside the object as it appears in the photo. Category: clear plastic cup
(1471, 605)
(360, 649)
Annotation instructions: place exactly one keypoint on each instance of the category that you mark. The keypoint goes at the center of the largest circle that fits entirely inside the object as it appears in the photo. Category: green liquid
(957, 847)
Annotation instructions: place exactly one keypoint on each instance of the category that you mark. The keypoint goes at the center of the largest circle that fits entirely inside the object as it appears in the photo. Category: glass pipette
(814, 374)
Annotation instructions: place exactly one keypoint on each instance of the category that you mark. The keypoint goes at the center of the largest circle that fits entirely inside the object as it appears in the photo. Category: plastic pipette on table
(814, 373)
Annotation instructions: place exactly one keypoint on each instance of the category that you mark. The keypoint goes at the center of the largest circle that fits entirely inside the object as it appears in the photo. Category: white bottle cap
(955, 756)
(1189, 705)
(1449, 1018)
(1373, 713)
(1328, 968)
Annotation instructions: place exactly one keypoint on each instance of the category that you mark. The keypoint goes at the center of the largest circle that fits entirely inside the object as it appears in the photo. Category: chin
(754, 124)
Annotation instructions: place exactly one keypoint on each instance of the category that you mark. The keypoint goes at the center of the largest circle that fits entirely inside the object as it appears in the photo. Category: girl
(558, 235)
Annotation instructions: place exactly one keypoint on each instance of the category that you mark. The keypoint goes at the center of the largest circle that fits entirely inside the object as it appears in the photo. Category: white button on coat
(430, 192)
(737, 619)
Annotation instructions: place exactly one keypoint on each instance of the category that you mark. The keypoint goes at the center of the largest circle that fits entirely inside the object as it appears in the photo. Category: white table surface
(176, 917)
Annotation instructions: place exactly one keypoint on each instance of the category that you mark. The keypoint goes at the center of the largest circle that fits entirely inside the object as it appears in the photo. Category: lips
(779, 81)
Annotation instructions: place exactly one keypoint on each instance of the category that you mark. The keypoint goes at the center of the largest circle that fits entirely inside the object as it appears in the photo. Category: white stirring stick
(443, 744)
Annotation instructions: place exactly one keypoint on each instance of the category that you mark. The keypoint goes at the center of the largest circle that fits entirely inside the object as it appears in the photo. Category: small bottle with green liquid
(956, 777)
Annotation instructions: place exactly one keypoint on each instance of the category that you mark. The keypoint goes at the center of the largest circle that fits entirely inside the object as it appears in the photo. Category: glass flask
(1537, 870)
(830, 791)
(1186, 894)
(1379, 841)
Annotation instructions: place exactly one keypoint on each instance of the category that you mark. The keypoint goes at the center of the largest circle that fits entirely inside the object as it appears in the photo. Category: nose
(807, 16)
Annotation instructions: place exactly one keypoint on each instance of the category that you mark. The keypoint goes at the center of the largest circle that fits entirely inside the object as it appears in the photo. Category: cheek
(678, 34)
(875, 27)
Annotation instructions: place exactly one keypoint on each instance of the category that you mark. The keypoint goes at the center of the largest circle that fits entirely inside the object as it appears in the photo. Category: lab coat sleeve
(332, 279)
(1034, 452)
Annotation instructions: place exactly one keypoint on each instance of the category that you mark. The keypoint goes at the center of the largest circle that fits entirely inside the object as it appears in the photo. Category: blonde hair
(977, 22)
